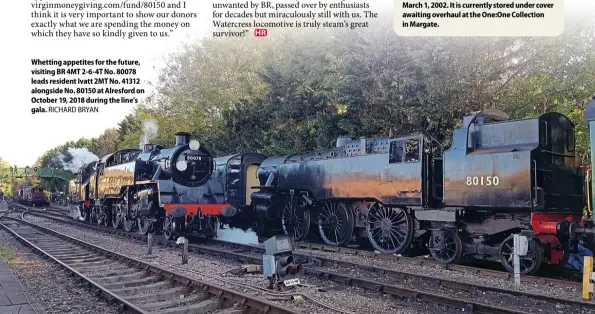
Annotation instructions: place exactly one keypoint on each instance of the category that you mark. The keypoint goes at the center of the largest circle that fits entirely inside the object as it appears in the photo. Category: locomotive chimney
(182, 138)
(148, 147)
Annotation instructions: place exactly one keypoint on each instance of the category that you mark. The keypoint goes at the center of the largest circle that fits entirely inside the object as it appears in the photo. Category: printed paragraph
(104, 18)
(480, 18)
(254, 18)
(81, 86)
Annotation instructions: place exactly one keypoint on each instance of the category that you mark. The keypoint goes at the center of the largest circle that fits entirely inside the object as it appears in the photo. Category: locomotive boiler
(498, 178)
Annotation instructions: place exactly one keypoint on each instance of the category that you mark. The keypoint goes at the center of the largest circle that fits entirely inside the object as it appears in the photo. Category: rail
(364, 282)
(212, 289)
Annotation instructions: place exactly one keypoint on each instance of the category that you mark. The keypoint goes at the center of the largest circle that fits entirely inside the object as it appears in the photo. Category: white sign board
(291, 282)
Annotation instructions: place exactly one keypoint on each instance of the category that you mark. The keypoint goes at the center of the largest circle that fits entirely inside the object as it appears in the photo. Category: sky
(25, 136)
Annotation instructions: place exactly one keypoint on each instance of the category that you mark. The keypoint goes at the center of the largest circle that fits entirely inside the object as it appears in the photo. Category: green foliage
(301, 90)
(10, 185)
(6, 253)
(5, 185)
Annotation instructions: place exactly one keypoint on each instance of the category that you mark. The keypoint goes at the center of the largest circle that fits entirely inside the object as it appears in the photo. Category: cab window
(412, 150)
(396, 152)
(570, 142)
(543, 134)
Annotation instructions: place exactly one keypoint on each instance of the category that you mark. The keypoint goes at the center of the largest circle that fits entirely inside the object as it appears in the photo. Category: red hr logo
(260, 32)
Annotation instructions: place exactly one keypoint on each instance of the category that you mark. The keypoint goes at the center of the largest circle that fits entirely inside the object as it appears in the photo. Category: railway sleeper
(142, 289)
(131, 283)
(231, 311)
(46, 241)
(59, 249)
(100, 278)
(112, 273)
(78, 260)
(109, 268)
(157, 296)
(77, 263)
(175, 302)
(197, 308)
(61, 255)
(56, 247)
(66, 256)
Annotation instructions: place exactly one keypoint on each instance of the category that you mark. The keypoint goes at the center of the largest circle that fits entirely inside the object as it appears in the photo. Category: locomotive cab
(428, 153)
(234, 179)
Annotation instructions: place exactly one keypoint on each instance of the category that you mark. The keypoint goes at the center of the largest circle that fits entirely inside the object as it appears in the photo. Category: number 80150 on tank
(498, 178)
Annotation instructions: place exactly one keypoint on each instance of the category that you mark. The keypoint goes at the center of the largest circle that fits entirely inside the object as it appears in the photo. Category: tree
(301, 90)
(107, 142)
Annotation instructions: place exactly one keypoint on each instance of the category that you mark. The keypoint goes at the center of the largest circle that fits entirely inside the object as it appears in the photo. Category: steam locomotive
(156, 188)
(498, 178)
(32, 196)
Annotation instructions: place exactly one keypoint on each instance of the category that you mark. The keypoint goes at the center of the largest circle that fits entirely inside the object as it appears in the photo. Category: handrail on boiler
(588, 188)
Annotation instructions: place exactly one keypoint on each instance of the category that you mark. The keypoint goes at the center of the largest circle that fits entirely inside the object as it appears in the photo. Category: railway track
(137, 286)
(481, 271)
(550, 276)
(572, 279)
(471, 297)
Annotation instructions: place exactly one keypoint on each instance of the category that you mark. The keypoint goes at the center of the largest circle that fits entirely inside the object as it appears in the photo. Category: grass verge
(6, 253)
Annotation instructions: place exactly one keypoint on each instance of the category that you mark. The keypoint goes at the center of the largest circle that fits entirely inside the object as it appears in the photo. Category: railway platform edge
(12, 297)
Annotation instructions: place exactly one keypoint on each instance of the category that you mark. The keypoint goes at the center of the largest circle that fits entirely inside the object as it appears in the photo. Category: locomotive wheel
(335, 223)
(296, 222)
(529, 263)
(83, 212)
(129, 224)
(453, 248)
(390, 230)
(99, 216)
(92, 215)
(106, 214)
(144, 224)
(168, 228)
(212, 224)
(115, 217)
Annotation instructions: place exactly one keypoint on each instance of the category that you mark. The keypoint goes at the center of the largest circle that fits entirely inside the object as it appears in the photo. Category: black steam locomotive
(154, 189)
(499, 177)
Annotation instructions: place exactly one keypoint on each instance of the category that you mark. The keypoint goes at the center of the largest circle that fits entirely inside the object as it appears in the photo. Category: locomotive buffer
(278, 263)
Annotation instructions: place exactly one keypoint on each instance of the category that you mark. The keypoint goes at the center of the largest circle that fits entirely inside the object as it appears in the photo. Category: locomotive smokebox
(344, 140)
(182, 138)
(148, 147)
